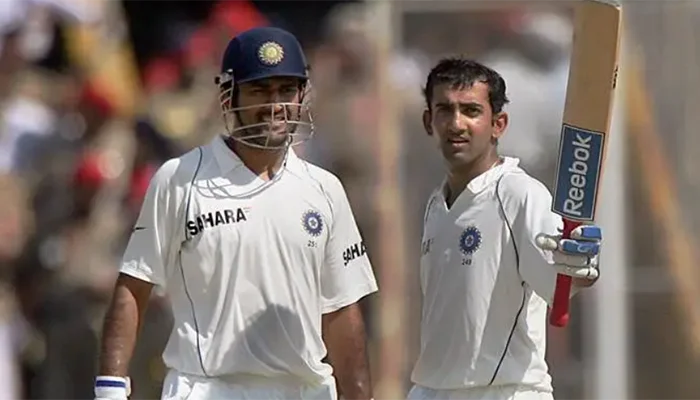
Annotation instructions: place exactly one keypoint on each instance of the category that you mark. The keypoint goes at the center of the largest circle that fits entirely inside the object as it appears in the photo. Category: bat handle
(559, 316)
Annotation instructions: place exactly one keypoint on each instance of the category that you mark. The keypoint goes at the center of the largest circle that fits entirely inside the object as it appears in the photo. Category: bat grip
(559, 316)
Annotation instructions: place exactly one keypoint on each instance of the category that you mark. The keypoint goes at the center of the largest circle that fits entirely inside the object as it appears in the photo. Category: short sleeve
(534, 217)
(152, 242)
(346, 276)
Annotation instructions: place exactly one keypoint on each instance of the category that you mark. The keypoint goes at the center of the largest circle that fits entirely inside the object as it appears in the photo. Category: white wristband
(112, 387)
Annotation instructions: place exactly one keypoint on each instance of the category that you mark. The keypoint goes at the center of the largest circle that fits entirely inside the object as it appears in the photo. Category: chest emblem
(312, 223)
(470, 240)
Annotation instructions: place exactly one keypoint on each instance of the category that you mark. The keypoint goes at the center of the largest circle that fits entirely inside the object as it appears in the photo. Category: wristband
(112, 387)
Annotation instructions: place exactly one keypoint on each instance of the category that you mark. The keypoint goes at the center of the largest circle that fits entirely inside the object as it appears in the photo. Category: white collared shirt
(249, 266)
(484, 284)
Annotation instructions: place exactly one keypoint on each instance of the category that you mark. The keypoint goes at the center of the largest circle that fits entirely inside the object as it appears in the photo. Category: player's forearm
(119, 333)
(345, 338)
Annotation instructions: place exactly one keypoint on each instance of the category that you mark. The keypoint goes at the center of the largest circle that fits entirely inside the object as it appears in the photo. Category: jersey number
(311, 243)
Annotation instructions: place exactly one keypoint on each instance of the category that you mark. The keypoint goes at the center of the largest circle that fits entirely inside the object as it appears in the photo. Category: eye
(443, 108)
(471, 111)
(289, 90)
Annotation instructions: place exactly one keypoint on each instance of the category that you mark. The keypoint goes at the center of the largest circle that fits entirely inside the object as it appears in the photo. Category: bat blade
(587, 114)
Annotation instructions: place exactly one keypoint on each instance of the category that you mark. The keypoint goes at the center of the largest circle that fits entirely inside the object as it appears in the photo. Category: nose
(275, 99)
(277, 107)
(274, 95)
(458, 122)
(271, 106)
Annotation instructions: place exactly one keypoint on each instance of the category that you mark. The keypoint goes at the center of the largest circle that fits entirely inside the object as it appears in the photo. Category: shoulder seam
(326, 194)
(184, 176)
(532, 181)
(428, 208)
(187, 177)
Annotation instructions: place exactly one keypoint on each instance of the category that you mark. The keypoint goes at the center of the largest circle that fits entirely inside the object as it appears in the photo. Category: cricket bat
(586, 122)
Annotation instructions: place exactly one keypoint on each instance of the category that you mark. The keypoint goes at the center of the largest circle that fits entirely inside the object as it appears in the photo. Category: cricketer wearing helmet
(257, 250)
(251, 71)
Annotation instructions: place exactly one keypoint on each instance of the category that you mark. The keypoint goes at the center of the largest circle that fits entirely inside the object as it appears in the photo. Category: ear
(500, 123)
(426, 122)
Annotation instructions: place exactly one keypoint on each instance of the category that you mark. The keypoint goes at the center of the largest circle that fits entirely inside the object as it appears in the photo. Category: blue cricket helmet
(262, 53)
(265, 52)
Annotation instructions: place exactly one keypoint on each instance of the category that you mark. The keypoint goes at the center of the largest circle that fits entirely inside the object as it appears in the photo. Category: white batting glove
(577, 256)
(112, 388)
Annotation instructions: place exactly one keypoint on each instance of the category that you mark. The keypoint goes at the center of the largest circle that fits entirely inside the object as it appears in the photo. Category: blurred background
(96, 94)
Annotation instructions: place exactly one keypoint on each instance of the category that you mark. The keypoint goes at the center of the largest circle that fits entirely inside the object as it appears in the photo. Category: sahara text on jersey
(353, 252)
(216, 218)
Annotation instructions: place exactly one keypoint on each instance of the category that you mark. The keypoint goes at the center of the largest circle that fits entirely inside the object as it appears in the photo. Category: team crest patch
(270, 53)
(470, 240)
(312, 222)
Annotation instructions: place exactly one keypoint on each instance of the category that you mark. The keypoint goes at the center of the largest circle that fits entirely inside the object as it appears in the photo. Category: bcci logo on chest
(469, 243)
(312, 223)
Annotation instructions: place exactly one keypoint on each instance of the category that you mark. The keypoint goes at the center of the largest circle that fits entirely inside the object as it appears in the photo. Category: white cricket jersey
(485, 282)
(249, 266)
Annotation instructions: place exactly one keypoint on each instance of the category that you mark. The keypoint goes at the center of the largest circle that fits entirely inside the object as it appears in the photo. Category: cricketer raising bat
(587, 115)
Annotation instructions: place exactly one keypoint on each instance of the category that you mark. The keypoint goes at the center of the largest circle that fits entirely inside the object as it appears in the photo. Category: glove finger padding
(576, 257)
(572, 260)
(547, 242)
(575, 266)
(588, 247)
(579, 247)
(587, 233)
(589, 272)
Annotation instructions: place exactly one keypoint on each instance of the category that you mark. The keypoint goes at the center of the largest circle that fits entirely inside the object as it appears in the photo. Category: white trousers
(510, 392)
(178, 386)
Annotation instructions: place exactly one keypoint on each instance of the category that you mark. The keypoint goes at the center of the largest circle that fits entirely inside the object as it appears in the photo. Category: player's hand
(577, 256)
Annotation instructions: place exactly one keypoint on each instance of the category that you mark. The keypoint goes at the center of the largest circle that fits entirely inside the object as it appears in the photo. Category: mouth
(272, 120)
(275, 127)
(457, 141)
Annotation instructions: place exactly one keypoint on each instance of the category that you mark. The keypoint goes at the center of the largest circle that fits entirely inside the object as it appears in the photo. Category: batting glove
(112, 388)
(577, 256)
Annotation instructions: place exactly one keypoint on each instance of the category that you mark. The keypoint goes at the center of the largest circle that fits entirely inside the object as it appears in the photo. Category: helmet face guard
(293, 120)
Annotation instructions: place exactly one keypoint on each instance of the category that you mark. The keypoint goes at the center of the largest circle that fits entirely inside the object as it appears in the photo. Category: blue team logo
(470, 240)
(312, 222)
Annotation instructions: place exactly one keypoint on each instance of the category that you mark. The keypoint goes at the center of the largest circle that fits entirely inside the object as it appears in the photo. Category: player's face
(268, 94)
(462, 122)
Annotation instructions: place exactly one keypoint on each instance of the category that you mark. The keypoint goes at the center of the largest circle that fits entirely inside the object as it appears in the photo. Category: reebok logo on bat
(578, 172)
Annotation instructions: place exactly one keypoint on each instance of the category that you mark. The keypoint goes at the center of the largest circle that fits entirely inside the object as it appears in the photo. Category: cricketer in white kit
(490, 251)
(257, 250)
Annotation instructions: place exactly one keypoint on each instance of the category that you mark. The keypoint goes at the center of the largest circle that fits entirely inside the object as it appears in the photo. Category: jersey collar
(225, 157)
(484, 180)
(228, 160)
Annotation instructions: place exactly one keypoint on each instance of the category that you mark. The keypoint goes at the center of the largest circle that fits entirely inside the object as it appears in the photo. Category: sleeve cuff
(135, 271)
(350, 297)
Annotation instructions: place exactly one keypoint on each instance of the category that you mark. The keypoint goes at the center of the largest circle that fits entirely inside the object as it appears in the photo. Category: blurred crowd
(96, 94)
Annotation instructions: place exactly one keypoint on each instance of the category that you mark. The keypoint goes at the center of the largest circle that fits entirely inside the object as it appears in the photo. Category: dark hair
(460, 73)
